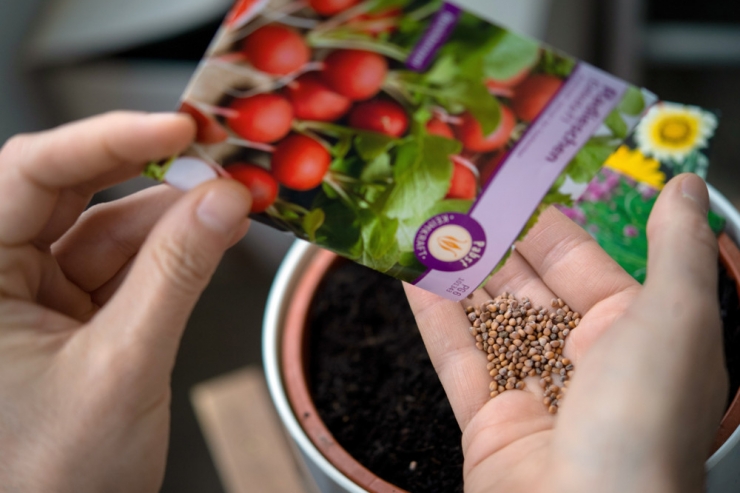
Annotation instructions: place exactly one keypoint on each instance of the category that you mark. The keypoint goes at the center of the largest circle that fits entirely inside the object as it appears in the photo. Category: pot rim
(288, 276)
(723, 207)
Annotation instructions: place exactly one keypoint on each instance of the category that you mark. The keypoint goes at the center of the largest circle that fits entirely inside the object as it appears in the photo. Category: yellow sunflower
(634, 164)
(673, 131)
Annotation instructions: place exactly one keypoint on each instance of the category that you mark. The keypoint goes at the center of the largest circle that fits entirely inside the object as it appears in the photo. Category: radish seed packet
(410, 136)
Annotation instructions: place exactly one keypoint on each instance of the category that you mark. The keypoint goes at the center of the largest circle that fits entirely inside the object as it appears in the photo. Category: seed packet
(671, 139)
(410, 136)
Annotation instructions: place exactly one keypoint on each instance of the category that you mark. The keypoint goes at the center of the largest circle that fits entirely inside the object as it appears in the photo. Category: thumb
(149, 312)
(682, 247)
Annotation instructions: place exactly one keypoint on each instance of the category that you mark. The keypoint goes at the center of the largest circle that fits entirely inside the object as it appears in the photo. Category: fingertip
(179, 126)
(693, 188)
(224, 206)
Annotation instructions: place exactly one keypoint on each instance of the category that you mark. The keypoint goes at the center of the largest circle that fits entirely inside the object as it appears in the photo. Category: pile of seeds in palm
(522, 341)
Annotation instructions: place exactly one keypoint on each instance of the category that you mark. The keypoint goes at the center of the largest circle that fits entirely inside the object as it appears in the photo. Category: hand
(93, 304)
(649, 385)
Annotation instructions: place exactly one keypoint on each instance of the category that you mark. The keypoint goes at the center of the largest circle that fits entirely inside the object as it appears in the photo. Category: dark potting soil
(377, 392)
(374, 386)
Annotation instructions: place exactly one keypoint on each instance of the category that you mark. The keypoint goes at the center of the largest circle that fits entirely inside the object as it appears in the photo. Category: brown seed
(494, 394)
(552, 410)
(566, 361)
(479, 345)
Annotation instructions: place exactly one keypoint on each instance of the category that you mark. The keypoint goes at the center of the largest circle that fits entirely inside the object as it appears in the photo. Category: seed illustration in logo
(450, 242)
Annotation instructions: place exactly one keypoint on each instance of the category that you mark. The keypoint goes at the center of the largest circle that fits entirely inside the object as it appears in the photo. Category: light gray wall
(20, 110)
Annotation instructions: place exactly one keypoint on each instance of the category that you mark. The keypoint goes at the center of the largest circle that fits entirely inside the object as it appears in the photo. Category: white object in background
(523, 16)
(72, 30)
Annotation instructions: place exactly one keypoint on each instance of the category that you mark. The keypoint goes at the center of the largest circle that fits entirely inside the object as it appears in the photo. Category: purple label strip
(437, 33)
(530, 169)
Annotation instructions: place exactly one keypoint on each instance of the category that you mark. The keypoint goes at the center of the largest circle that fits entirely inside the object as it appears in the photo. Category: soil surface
(374, 385)
(378, 393)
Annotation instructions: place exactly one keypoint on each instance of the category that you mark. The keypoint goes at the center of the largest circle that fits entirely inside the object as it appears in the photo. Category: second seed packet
(410, 136)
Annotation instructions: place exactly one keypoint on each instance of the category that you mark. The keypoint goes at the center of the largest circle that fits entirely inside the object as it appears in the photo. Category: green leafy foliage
(312, 222)
(509, 55)
(617, 125)
(633, 102)
(589, 160)
(556, 64)
(379, 248)
(422, 174)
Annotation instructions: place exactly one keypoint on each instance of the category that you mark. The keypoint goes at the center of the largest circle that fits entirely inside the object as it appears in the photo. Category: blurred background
(62, 60)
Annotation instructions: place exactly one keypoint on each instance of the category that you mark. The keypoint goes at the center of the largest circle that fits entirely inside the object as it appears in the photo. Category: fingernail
(222, 210)
(694, 188)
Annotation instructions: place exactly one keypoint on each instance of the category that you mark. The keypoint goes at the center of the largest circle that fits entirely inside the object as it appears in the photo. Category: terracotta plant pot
(331, 468)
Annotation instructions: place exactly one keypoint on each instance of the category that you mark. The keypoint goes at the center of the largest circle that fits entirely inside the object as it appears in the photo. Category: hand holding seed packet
(412, 137)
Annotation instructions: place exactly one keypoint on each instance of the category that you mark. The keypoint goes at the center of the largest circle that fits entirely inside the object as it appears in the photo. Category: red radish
(534, 94)
(471, 135)
(262, 118)
(463, 184)
(276, 50)
(380, 115)
(490, 166)
(355, 74)
(209, 131)
(331, 7)
(300, 162)
(435, 126)
(313, 100)
(260, 183)
(243, 11)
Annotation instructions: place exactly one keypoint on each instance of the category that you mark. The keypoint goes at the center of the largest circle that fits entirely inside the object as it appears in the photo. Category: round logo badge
(450, 242)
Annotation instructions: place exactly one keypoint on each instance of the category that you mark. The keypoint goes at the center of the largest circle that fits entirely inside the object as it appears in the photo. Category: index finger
(444, 325)
(571, 262)
(90, 154)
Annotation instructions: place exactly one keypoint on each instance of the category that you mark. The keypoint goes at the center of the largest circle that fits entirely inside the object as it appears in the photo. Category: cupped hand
(649, 385)
(93, 304)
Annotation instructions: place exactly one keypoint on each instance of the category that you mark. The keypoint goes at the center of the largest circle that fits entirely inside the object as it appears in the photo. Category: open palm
(511, 442)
